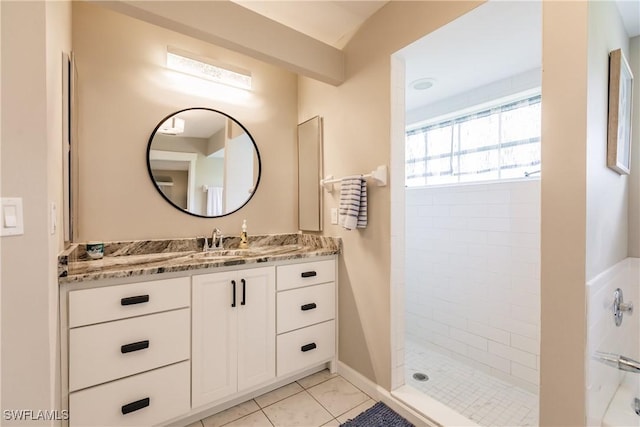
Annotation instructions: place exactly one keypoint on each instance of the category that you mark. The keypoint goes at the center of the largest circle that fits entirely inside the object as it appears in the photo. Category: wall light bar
(208, 69)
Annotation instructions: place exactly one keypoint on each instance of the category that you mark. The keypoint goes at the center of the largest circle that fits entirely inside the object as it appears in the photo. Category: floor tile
(351, 414)
(315, 379)
(196, 424)
(257, 419)
(338, 395)
(298, 410)
(231, 414)
(278, 394)
(332, 423)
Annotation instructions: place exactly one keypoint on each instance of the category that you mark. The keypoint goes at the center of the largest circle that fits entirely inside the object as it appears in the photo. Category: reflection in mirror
(203, 162)
(309, 174)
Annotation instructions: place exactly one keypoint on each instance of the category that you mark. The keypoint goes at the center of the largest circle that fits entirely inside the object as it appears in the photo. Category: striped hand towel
(353, 202)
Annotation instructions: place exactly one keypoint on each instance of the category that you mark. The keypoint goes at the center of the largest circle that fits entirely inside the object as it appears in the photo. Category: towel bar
(379, 176)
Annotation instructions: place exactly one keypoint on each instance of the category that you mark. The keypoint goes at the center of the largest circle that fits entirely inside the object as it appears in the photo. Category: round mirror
(203, 162)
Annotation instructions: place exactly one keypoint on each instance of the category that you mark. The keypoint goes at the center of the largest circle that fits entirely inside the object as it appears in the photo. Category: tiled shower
(472, 298)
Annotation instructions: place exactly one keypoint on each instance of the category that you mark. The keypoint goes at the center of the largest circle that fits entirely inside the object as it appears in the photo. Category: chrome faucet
(618, 361)
(216, 239)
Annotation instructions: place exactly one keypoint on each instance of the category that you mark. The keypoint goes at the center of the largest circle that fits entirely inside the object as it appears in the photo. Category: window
(501, 142)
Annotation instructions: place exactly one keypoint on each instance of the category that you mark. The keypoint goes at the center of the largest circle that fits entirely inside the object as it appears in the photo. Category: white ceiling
(497, 40)
(630, 13)
(199, 123)
(331, 22)
(494, 41)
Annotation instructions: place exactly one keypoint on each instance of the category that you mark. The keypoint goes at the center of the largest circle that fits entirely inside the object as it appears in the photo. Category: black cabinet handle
(308, 347)
(139, 299)
(140, 345)
(308, 306)
(135, 406)
(309, 274)
(233, 301)
(244, 292)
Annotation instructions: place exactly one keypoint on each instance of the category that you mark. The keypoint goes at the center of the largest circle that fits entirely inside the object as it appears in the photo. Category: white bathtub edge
(620, 411)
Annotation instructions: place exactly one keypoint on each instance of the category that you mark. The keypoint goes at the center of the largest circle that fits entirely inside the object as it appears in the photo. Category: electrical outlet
(334, 215)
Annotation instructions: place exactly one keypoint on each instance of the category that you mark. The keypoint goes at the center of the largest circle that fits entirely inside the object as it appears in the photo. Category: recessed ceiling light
(422, 84)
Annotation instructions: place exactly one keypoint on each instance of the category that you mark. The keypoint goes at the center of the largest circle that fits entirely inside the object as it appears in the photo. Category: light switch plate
(12, 221)
(334, 215)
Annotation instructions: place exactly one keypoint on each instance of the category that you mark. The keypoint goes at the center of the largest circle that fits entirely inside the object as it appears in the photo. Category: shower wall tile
(526, 344)
(473, 274)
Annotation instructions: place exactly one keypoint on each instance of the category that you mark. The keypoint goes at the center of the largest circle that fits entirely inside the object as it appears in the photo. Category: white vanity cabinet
(233, 341)
(164, 350)
(128, 353)
(306, 315)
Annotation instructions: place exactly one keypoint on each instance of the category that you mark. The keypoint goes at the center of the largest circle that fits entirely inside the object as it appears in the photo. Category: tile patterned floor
(321, 399)
(480, 397)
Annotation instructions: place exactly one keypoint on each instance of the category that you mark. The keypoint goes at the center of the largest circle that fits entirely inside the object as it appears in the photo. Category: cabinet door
(256, 327)
(214, 337)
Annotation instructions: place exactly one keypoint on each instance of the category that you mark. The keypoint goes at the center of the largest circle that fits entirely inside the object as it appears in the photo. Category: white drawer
(302, 307)
(166, 388)
(305, 347)
(305, 274)
(97, 305)
(113, 350)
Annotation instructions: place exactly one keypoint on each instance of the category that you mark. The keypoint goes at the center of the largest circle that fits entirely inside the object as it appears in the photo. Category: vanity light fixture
(207, 69)
(422, 84)
(172, 126)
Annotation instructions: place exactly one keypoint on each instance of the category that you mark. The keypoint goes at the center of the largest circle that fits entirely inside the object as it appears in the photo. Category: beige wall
(34, 36)
(58, 41)
(1, 193)
(563, 213)
(356, 140)
(178, 191)
(634, 179)
(232, 26)
(124, 90)
(357, 131)
(607, 191)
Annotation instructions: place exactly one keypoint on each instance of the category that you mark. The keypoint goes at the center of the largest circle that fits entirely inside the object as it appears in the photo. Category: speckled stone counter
(145, 257)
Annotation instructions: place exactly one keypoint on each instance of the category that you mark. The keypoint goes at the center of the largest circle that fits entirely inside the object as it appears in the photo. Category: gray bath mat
(379, 415)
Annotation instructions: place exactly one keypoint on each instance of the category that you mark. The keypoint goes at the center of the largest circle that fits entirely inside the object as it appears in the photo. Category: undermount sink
(249, 252)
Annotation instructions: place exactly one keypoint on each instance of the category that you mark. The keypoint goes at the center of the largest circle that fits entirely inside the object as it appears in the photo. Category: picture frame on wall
(619, 128)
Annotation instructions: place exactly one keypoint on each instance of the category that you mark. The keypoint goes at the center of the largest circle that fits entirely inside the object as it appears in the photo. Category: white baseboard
(380, 394)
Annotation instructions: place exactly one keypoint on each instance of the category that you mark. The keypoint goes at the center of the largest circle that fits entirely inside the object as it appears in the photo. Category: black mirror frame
(255, 146)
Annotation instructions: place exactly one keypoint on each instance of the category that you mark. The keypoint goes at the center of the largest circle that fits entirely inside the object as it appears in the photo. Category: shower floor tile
(478, 396)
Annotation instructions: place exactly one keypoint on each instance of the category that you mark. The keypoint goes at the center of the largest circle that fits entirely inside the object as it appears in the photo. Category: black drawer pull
(308, 306)
(139, 299)
(135, 406)
(140, 345)
(309, 274)
(233, 301)
(244, 292)
(308, 347)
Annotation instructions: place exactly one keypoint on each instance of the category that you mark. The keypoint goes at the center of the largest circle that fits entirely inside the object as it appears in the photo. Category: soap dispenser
(244, 242)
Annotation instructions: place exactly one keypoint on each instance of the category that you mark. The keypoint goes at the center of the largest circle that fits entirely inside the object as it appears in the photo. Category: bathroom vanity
(176, 334)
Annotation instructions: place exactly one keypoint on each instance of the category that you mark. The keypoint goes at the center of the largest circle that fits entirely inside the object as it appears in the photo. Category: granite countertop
(145, 257)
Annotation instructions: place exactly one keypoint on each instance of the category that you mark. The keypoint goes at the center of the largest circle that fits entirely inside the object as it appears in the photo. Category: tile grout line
(279, 400)
(294, 394)
(267, 417)
(239, 418)
(336, 416)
